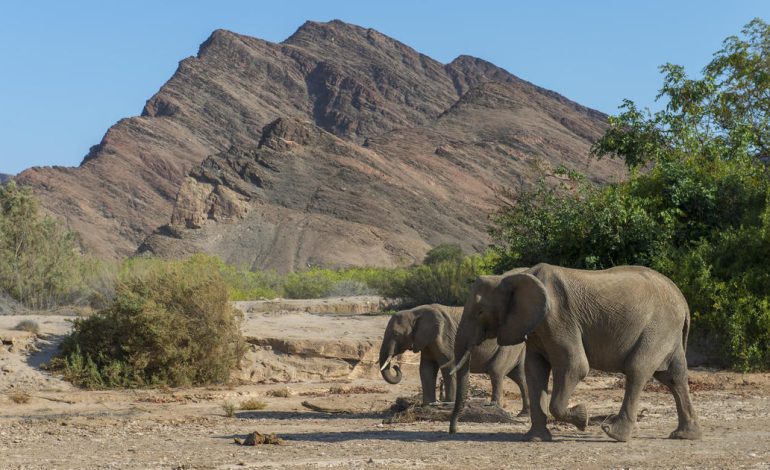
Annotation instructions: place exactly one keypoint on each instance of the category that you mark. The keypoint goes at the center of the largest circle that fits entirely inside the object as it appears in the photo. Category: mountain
(4, 177)
(337, 146)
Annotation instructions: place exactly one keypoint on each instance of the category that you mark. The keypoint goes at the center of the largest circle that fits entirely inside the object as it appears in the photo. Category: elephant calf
(430, 330)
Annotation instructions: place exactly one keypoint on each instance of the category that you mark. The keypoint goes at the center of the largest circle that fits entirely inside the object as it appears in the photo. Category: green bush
(169, 323)
(444, 252)
(40, 263)
(446, 282)
(696, 206)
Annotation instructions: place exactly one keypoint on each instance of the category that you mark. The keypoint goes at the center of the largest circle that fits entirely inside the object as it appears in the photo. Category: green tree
(40, 264)
(695, 206)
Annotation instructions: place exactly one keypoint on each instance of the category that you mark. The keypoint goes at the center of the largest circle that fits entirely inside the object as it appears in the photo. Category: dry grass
(28, 325)
(229, 408)
(279, 393)
(356, 390)
(19, 397)
(252, 404)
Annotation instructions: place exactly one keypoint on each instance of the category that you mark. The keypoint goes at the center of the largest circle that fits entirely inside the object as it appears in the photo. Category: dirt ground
(60, 426)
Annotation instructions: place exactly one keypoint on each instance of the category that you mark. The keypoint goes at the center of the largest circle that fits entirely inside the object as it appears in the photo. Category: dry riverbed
(45, 423)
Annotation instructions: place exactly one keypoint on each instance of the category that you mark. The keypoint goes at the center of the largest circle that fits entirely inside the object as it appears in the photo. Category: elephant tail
(686, 330)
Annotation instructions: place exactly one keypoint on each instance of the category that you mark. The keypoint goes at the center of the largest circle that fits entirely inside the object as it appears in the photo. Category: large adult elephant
(627, 319)
(431, 330)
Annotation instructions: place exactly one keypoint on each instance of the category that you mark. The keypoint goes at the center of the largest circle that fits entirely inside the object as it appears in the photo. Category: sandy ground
(64, 427)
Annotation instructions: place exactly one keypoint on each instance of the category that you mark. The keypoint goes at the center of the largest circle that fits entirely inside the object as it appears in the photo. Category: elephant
(627, 319)
(430, 330)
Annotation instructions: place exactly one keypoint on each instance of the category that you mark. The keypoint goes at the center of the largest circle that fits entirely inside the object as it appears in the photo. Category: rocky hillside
(337, 146)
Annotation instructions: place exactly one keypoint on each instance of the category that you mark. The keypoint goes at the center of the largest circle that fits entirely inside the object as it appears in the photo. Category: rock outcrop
(337, 146)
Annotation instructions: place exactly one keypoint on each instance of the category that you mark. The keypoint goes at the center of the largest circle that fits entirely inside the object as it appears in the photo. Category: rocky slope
(337, 146)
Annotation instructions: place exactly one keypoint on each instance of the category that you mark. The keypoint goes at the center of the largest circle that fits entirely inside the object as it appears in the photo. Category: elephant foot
(538, 435)
(579, 416)
(691, 431)
(523, 413)
(618, 429)
(453, 427)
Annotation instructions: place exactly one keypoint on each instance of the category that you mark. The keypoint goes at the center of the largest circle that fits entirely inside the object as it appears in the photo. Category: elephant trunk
(462, 353)
(391, 373)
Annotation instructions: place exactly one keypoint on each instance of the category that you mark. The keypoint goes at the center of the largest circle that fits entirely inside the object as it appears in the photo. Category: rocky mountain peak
(255, 151)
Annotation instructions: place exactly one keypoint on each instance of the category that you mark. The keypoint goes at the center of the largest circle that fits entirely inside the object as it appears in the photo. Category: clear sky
(70, 69)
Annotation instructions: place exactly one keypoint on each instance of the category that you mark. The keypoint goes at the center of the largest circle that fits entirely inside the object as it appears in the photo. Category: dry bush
(252, 404)
(19, 397)
(229, 408)
(279, 393)
(28, 325)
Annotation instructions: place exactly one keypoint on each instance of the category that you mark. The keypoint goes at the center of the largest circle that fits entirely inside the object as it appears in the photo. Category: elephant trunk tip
(391, 374)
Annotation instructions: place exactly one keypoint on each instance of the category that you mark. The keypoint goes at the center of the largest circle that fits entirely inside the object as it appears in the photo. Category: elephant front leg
(537, 369)
(428, 374)
(565, 379)
(518, 376)
(497, 390)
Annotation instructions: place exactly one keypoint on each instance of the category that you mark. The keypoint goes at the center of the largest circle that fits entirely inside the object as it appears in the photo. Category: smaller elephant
(430, 330)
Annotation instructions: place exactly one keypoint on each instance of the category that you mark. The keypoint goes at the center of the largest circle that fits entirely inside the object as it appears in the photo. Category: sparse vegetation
(169, 324)
(28, 325)
(228, 408)
(19, 397)
(252, 404)
(279, 393)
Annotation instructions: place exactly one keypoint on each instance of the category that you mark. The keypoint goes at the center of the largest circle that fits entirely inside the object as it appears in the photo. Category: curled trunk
(390, 372)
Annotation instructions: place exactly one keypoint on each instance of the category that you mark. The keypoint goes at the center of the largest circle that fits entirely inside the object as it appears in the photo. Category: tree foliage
(695, 206)
(40, 264)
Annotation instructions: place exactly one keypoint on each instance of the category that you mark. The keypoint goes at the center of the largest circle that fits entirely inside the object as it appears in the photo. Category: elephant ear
(527, 307)
(427, 328)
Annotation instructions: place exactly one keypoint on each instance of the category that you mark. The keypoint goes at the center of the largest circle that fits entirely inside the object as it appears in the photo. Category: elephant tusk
(387, 363)
(461, 363)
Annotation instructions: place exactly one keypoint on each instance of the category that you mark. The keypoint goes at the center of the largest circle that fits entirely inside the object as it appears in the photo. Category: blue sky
(72, 69)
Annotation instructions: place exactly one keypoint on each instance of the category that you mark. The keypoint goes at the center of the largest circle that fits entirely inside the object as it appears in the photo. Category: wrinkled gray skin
(627, 319)
(430, 330)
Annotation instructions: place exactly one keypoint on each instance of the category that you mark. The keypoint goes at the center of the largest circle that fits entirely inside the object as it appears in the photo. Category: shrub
(40, 264)
(252, 404)
(229, 408)
(446, 282)
(28, 325)
(19, 397)
(444, 252)
(310, 284)
(169, 324)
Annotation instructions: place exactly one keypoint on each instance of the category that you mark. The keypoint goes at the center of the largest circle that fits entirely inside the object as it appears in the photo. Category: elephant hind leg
(639, 368)
(675, 378)
(518, 376)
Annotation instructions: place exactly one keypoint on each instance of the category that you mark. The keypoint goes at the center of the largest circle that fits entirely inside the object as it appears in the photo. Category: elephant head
(411, 329)
(507, 307)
